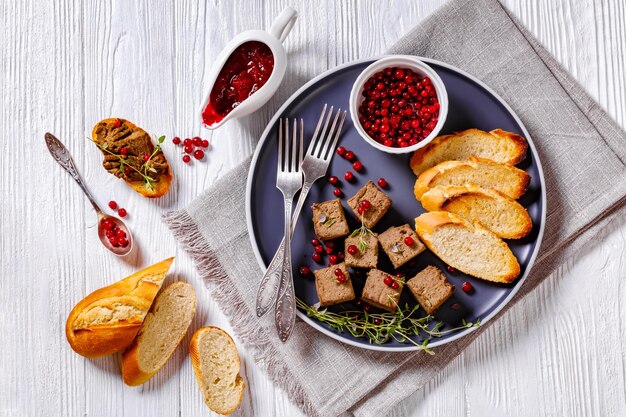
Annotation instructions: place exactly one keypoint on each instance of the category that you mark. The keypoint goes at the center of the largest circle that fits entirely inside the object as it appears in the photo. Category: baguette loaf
(502, 215)
(485, 173)
(216, 364)
(467, 247)
(115, 134)
(498, 145)
(161, 332)
(108, 319)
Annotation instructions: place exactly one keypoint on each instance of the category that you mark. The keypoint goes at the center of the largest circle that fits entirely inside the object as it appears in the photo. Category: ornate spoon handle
(60, 154)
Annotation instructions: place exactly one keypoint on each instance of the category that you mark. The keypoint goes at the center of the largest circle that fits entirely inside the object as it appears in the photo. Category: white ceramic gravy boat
(273, 39)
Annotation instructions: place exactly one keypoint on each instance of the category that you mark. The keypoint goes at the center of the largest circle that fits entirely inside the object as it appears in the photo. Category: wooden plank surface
(67, 64)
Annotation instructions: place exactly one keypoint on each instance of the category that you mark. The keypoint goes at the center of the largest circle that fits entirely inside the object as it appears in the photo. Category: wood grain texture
(67, 64)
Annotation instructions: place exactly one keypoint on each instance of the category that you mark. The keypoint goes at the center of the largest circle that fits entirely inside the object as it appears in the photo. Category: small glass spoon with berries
(113, 233)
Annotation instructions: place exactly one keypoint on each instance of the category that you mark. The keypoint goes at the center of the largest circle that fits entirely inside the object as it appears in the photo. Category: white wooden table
(65, 65)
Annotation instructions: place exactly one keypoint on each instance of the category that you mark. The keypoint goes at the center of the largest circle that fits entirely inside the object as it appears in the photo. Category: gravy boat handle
(284, 23)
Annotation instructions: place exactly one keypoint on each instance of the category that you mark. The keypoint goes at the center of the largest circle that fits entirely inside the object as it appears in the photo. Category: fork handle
(285, 312)
(270, 282)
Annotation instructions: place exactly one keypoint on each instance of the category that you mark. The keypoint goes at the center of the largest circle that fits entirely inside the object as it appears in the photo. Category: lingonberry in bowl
(398, 104)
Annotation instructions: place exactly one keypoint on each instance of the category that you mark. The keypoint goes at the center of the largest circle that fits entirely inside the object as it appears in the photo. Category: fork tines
(290, 159)
(323, 146)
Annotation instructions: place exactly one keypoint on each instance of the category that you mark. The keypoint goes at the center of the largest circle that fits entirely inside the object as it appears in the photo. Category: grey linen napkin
(582, 151)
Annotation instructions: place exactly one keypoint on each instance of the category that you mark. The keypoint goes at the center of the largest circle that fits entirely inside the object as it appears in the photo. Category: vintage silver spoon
(60, 154)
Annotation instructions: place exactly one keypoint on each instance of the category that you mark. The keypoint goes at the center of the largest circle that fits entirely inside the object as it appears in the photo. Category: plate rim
(433, 343)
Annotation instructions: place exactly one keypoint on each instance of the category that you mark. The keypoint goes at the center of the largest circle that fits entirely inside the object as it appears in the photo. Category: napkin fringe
(188, 235)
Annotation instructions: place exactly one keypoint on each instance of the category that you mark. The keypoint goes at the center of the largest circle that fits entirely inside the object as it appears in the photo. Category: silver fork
(314, 166)
(288, 181)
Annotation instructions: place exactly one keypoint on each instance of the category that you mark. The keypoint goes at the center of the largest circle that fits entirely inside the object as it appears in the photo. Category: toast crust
(162, 186)
(427, 223)
(136, 291)
(514, 185)
(460, 200)
(437, 151)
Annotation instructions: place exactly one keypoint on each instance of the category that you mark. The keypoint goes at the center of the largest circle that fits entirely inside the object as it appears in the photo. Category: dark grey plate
(472, 104)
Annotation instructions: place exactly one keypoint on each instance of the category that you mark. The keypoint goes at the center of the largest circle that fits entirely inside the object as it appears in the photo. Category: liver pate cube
(399, 253)
(329, 290)
(378, 294)
(379, 200)
(430, 288)
(329, 220)
(366, 255)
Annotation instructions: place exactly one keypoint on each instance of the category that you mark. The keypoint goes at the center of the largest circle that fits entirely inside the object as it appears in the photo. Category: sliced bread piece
(502, 215)
(498, 145)
(108, 319)
(163, 329)
(485, 173)
(467, 247)
(216, 364)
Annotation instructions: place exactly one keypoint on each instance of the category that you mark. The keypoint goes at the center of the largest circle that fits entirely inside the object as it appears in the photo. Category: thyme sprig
(363, 232)
(379, 328)
(143, 169)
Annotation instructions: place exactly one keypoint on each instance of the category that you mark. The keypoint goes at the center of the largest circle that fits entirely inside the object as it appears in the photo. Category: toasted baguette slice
(108, 319)
(117, 133)
(467, 247)
(498, 145)
(216, 364)
(164, 327)
(485, 173)
(502, 215)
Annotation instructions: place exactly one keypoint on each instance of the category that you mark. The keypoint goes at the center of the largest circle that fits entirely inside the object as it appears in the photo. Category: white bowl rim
(403, 61)
(434, 342)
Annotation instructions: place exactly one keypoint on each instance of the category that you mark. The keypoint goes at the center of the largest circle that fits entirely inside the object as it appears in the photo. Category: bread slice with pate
(498, 145)
(467, 247)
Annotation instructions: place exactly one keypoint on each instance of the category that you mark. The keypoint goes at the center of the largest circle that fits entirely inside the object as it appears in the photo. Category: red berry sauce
(246, 70)
(399, 108)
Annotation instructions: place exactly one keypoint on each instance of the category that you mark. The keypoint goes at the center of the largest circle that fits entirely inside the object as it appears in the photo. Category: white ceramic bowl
(273, 38)
(399, 61)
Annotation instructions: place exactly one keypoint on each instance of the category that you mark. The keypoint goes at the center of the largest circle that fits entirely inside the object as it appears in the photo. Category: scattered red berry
(315, 242)
(382, 183)
(188, 149)
(338, 271)
(352, 249)
(112, 205)
(305, 271)
(122, 212)
(365, 204)
(119, 232)
(186, 159)
(337, 192)
(342, 278)
(332, 259)
(107, 223)
(456, 306)
(450, 269)
(127, 170)
(341, 255)
(319, 249)
(188, 142)
(366, 307)
(341, 151)
(388, 280)
(358, 303)
(467, 287)
(400, 274)
(205, 143)
(378, 321)
(122, 241)
(146, 157)
(114, 242)
(350, 156)
(117, 123)
(176, 141)
(197, 141)
(358, 166)
(317, 257)
(329, 244)
(198, 154)
(394, 285)
(349, 176)
(124, 151)
(329, 251)
(360, 210)
(409, 241)
(333, 180)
